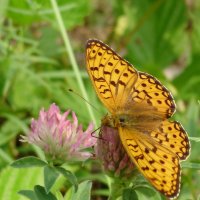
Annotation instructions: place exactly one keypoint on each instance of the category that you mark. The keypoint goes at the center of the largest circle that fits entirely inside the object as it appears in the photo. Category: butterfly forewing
(112, 76)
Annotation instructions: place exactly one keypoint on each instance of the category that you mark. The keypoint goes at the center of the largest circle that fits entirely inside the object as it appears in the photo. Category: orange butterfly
(139, 107)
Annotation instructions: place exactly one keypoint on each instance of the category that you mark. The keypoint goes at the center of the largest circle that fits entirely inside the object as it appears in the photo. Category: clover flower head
(59, 137)
(110, 151)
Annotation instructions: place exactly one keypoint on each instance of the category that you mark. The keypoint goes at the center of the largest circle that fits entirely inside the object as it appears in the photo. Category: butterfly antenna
(70, 90)
(93, 134)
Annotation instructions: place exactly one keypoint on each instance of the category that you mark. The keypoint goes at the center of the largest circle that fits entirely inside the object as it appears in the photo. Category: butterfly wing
(148, 90)
(147, 104)
(121, 88)
(111, 75)
(158, 164)
(172, 135)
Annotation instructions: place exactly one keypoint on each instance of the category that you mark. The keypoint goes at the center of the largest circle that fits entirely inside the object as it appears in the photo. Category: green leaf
(42, 195)
(13, 180)
(50, 176)
(29, 194)
(69, 176)
(129, 194)
(30, 161)
(59, 195)
(145, 192)
(84, 191)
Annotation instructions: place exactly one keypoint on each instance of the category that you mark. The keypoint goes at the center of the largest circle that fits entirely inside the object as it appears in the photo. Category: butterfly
(140, 108)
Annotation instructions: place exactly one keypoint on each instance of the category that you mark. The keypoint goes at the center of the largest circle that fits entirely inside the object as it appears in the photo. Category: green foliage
(28, 12)
(147, 193)
(28, 162)
(29, 194)
(129, 194)
(12, 180)
(50, 176)
(161, 37)
(153, 44)
(69, 176)
(84, 191)
(39, 193)
(191, 75)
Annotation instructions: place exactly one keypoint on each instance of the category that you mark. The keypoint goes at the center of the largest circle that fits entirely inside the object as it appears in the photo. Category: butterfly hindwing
(158, 164)
(172, 136)
(149, 90)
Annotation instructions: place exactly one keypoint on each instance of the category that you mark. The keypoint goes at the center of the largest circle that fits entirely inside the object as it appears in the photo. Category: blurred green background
(160, 37)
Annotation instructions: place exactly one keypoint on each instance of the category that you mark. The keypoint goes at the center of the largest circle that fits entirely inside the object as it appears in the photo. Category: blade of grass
(196, 139)
(71, 56)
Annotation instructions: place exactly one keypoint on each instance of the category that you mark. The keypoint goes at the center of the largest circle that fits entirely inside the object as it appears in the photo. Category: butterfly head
(114, 121)
(110, 120)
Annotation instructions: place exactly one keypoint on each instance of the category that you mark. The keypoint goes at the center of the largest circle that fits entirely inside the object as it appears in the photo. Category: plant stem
(71, 56)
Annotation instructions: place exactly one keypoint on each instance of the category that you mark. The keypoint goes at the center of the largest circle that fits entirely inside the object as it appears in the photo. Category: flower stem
(71, 56)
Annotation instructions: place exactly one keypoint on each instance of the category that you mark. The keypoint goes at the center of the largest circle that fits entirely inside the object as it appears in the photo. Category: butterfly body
(140, 108)
(133, 121)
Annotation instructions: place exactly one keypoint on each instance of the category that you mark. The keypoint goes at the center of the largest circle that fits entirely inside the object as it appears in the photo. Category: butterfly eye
(121, 119)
